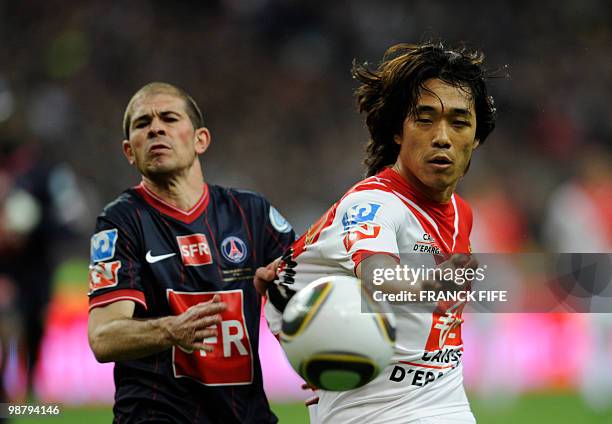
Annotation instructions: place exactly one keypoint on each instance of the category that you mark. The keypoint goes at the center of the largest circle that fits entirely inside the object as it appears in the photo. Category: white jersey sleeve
(368, 222)
(362, 223)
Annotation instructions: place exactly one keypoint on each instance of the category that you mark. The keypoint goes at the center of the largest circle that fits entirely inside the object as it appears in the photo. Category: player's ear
(128, 152)
(202, 140)
(475, 145)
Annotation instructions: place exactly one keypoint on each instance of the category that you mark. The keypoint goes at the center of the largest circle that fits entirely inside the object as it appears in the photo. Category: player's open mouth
(440, 161)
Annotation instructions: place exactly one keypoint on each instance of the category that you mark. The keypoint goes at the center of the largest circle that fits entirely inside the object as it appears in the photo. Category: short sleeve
(278, 234)
(114, 268)
(370, 221)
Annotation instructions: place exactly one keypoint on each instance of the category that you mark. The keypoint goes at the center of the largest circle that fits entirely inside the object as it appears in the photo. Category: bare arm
(114, 334)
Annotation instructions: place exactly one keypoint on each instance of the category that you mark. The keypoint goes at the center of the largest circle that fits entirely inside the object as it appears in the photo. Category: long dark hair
(389, 93)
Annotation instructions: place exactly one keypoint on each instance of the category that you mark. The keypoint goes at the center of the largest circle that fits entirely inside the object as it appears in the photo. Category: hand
(456, 261)
(264, 277)
(461, 260)
(189, 329)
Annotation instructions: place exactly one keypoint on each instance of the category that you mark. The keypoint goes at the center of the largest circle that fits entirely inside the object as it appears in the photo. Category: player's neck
(436, 195)
(181, 191)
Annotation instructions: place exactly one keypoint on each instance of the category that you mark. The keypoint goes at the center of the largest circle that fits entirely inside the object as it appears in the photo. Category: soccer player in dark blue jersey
(172, 260)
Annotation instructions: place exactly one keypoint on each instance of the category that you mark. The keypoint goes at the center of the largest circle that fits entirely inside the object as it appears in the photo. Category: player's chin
(160, 168)
(439, 173)
(440, 181)
(440, 169)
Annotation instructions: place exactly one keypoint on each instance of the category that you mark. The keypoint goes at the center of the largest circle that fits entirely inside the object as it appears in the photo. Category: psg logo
(234, 249)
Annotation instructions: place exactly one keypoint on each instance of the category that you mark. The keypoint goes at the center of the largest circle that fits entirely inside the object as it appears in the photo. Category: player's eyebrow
(142, 118)
(147, 116)
(461, 111)
(425, 109)
(453, 111)
(169, 112)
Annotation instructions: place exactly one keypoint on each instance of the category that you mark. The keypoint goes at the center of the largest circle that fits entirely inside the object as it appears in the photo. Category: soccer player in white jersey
(426, 109)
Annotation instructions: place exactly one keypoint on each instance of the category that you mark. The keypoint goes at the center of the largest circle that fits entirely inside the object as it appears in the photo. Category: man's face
(162, 138)
(437, 143)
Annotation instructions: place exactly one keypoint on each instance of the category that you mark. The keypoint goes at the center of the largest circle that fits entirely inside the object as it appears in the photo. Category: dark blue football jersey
(166, 260)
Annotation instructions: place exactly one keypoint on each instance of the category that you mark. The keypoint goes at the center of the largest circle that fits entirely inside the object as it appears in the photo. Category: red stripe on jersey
(466, 219)
(247, 227)
(429, 228)
(117, 295)
(167, 209)
(313, 233)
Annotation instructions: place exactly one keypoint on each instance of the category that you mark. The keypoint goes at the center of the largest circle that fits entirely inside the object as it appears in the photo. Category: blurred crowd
(273, 80)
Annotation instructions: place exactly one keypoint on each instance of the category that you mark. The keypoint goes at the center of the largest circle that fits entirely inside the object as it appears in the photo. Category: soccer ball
(330, 340)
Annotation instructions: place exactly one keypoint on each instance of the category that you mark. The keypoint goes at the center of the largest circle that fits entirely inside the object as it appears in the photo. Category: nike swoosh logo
(152, 259)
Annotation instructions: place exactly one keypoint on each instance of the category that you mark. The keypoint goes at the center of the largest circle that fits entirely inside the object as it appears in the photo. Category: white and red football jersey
(384, 214)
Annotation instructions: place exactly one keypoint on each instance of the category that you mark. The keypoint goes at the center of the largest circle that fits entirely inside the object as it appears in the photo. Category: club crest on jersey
(360, 213)
(278, 221)
(102, 247)
(195, 250)
(103, 275)
(234, 249)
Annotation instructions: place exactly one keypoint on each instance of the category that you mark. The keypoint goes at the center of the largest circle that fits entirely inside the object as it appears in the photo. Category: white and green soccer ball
(335, 336)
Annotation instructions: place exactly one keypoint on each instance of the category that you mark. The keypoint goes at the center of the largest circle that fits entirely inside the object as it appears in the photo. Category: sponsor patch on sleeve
(278, 221)
(103, 245)
(103, 275)
(358, 214)
(360, 232)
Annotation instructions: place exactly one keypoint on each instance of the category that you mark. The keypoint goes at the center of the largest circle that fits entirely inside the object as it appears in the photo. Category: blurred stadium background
(273, 80)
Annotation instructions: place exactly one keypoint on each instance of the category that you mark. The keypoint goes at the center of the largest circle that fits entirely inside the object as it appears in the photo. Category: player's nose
(156, 128)
(441, 138)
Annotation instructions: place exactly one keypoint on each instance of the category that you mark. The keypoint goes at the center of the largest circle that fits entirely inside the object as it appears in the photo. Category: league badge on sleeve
(278, 221)
(358, 223)
(361, 213)
(103, 245)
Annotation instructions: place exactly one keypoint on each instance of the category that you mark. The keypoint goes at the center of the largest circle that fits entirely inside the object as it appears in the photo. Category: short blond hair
(191, 107)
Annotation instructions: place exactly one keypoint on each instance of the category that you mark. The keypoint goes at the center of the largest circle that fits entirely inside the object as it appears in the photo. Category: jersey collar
(167, 209)
(400, 184)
